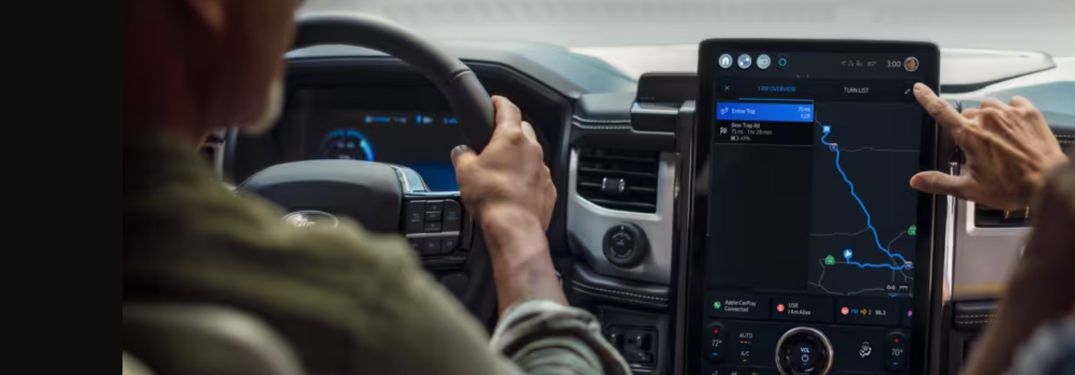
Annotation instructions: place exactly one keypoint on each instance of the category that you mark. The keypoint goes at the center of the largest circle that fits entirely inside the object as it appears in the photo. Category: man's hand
(509, 173)
(1009, 150)
(510, 190)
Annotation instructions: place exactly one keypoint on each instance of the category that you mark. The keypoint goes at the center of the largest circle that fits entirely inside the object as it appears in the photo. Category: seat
(189, 339)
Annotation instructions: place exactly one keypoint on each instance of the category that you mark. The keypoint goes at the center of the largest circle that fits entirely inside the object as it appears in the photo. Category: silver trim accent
(824, 340)
(992, 253)
(588, 222)
(433, 234)
(938, 351)
(218, 147)
(637, 108)
(949, 244)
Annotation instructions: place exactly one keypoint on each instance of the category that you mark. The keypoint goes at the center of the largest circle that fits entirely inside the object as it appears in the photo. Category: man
(347, 300)
(1014, 161)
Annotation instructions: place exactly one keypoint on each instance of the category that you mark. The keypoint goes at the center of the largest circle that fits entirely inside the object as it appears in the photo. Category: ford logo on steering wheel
(309, 218)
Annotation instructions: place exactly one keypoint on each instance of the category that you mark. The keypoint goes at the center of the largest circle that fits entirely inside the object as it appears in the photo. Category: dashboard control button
(739, 371)
(744, 61)
(725, 61)
(738, 306)
(803, 356)
(802, 309)
(625, 245)
(717, 343)
(413, 216)
(616, 339)
(642, 357)
(782, 62)
(644, 341)
(896, 351)
(803, 351)
(763, 61)
(453, 215)
(622, 243)
(906, 313)
(715, 356)
(867, 311)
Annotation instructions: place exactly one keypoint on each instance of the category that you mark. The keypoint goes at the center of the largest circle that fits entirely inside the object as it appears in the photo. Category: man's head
(196, 65)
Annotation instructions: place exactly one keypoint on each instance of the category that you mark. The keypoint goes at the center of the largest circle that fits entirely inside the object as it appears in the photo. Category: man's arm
(1041, 289)
(522, 266)
(1009, 149)
(1011, 152)
(510, 190)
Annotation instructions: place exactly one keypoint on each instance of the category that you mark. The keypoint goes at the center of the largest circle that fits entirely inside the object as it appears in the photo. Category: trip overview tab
(770, 122)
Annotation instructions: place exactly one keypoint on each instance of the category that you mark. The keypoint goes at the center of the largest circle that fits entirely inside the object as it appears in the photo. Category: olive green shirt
(348, 301)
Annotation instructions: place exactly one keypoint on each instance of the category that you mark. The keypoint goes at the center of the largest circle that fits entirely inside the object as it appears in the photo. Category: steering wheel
(393, 198)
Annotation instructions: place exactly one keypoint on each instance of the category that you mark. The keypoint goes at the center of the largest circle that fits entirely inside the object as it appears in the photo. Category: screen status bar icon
(745, 61)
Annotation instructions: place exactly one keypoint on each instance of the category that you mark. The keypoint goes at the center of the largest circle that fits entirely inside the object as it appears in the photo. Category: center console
(806, 252)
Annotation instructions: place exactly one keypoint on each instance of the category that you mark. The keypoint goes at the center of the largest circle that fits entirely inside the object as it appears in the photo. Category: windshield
(1022, 25)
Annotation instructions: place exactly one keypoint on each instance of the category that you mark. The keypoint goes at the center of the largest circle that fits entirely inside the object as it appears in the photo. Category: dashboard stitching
(619, 298)
(974, 316)
(613, 291)
(598, 121)
(601, 127)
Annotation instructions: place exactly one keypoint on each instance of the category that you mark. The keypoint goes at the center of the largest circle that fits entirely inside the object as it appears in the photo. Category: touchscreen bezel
(694, 216)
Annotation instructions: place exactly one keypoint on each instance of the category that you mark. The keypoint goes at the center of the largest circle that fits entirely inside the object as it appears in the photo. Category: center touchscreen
(808, 263)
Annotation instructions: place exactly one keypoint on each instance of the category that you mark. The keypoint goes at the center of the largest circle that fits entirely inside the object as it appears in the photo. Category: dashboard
(624, 115)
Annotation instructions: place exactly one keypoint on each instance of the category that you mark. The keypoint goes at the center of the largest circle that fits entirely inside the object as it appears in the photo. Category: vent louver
(619, 179)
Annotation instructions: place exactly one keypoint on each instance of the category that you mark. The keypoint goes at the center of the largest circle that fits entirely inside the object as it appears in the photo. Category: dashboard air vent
(619, 179)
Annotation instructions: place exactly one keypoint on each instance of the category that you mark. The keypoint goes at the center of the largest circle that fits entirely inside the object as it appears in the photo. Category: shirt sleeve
(544, 337)
(1051, 350)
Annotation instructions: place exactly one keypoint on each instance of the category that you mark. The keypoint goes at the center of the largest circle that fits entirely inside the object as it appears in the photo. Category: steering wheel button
(413, 216)
(448, 244)
(433, 226)
(430, 246)
(434, 206)
(433, 216)
(453, 215)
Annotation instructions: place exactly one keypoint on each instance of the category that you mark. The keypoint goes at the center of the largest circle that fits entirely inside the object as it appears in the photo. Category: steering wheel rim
(469, 100)
(373, 193)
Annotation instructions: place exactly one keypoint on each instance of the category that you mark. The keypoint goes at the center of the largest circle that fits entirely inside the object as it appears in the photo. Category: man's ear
(211, 13)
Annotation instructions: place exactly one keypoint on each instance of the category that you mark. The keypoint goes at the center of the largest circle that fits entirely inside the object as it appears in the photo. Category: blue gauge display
(346, 144)
(421, 141)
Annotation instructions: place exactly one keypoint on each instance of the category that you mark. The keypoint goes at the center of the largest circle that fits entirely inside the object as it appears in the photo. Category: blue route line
(879, 265)
(825, 130)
